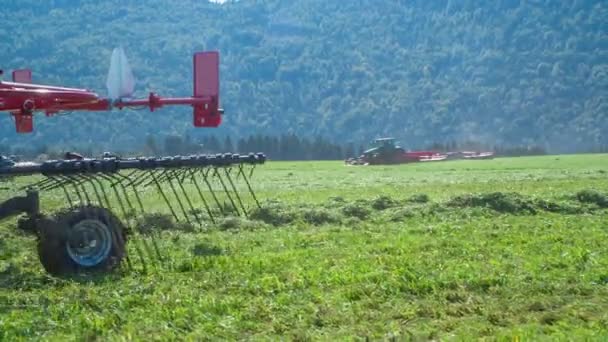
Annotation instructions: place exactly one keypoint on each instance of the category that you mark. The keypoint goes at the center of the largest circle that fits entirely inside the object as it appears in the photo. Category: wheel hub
(89, 243)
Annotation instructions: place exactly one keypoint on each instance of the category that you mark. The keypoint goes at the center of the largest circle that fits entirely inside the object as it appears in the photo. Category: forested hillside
(501, 72)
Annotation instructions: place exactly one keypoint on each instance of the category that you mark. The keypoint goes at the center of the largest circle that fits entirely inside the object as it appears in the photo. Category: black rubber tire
(54, 234)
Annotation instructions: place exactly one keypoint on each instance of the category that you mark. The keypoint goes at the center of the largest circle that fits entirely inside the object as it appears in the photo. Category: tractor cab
(383, 146)
(383, 151)
(384, 143)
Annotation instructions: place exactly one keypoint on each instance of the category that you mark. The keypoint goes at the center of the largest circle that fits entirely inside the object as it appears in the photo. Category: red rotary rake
(109, 201)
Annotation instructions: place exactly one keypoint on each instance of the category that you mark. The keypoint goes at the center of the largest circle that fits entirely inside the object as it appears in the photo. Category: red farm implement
(107, 201)
(385, 151)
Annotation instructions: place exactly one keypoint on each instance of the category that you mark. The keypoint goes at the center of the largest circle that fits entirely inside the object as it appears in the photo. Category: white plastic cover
(121, 82)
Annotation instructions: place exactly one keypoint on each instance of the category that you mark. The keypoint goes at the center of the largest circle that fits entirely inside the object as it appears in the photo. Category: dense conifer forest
(500, 73)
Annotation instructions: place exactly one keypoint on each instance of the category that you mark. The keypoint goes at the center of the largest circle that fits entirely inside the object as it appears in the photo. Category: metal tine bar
(184, 175)
(181, 186)
(251, 171)
(65, 192)
(58, 181)
(113, 181)
(162, 178)
(96, 180)
(123, 186)
(51, 181)
(73, 181)
(68, 197)
(178, 174)
(105, 202)
(69, 182)
(167, 174)
(219, 177)
(212, 191)
(141, 207)
(236, 193)
(149, 179)
(117, 178)
(162, 193)
(242, 171)
(200, 193)
(38, 184)
(179, 201)
(128, 177)
(171, 174)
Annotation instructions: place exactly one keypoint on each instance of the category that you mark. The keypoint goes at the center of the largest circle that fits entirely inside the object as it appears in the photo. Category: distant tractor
(386, 151)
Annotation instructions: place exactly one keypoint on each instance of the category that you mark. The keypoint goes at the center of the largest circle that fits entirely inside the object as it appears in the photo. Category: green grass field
(511, 248)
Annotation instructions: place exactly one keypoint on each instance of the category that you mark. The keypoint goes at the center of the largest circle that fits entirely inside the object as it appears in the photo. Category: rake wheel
(81, 240)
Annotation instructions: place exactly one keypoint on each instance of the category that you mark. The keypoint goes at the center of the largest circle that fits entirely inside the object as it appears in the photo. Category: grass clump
(383, 203)
(274, 213)
(357, 209)
(238, 223)
(419, 198)
(320, 216)
(590, 196)
(402, 214)
(151, 222)
(512, 203)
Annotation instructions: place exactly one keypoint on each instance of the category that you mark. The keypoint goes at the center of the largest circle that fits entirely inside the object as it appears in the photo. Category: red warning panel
(207, 85)
(207, 74)
(24, 123)
(22, 76)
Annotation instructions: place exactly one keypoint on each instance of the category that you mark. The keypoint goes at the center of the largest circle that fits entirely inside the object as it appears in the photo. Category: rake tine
(241, 171)
(194, 212)
(162, 193)
(200, 193)
(146, 177)
(38, 184)
(206, 179)
(236, 193)
(119, 180)
(167, 178)
(184, 175)
(125, 214)
(141, 207)
(219, 177)
(54, 184)
(67, 182)
(105, 202)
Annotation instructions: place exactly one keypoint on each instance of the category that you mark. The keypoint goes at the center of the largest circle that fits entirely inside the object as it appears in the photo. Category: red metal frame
(22, 98)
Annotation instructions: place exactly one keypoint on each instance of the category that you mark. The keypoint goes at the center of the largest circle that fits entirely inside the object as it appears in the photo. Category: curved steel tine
(104, 202)
(125, 214)
(167, 177)
(242, 171)
(200, 193)
(162, 193)
(37, 184)
(205, 174)
(236, 192)
(188, 201)
(219, 177)
(142, 211)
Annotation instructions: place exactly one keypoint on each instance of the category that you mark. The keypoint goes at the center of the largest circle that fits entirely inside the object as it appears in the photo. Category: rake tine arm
(162, 193)
(188, 201)
(236, 193)
(167, 177)
(219, 177)
(200, 193)
(249, 186)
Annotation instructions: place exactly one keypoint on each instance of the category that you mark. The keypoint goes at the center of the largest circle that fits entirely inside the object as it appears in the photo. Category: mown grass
(502, 249)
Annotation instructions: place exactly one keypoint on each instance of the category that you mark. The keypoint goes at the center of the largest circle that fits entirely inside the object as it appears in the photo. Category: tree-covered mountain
(502, 72)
